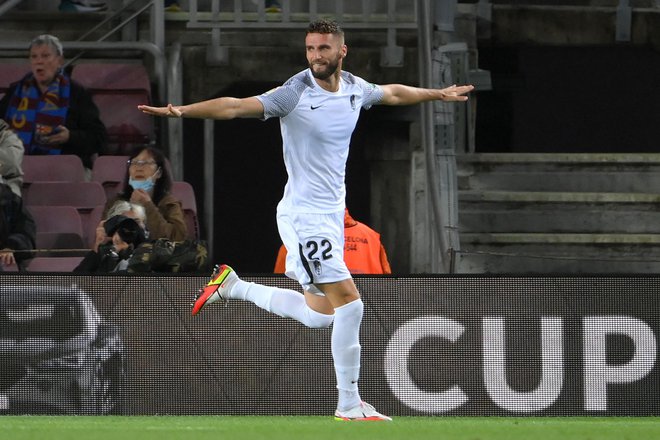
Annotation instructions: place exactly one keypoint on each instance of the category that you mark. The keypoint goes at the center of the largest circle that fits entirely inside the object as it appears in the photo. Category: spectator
(122, 245)
(82, 6)
(148, 182)
(49, 112)
(17, 229)
(11, 158)
(363, 251)
(172, 6)
(117, 237)
(273, 6)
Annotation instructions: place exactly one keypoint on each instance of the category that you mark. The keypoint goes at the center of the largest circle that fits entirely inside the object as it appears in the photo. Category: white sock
(346, 352)
(282, 302)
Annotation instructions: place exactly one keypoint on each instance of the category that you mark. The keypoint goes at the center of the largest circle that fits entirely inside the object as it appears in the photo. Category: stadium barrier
(431, 345)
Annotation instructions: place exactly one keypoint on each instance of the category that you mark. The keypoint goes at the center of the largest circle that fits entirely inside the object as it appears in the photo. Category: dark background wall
(544, 99)
(569, 99)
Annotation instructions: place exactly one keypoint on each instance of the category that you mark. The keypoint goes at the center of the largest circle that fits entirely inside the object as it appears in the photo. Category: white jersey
(316, 131)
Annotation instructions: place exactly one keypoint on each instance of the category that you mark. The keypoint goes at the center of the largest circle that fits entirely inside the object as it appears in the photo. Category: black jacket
(88, 134)
(103, 261)
(17, 228)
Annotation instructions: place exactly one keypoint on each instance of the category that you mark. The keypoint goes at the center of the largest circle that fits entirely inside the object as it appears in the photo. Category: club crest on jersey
(352, 102)
(317, 267)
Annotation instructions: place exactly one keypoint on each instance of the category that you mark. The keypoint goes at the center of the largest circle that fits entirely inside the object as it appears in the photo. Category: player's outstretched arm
(399, 94)
(218, 108)
(169, 111)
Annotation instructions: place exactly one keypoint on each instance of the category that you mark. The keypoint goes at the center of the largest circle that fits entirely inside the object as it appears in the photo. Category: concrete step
(554, 213)
(566, 239)
(472, 263)
(600, 172)
(506, 211)
(558, 253)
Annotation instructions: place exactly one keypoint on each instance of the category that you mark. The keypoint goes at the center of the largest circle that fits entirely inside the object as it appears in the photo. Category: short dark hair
(325, 27)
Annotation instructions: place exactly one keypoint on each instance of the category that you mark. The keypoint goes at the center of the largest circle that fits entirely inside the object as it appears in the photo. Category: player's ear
(344, 51)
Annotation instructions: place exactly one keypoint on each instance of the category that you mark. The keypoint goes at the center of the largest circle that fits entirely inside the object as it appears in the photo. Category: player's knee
(318, 320)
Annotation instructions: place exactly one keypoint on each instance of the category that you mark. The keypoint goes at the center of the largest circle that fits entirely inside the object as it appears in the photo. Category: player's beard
(327, 70)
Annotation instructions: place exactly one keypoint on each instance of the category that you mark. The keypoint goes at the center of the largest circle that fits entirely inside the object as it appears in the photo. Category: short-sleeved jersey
(316, 131)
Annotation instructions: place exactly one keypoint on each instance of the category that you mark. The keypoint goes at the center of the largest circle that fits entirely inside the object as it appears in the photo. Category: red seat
(90, 222)
(126, 126)
(110, 172)
(111, 76)
(52, 168)
(117, 89)
(84, 196)
(10, 73)
(10, 267)
(58, 228)
(186, 194)
(53, 264)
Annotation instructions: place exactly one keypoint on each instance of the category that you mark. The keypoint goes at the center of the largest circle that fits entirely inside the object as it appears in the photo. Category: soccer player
(318, 110)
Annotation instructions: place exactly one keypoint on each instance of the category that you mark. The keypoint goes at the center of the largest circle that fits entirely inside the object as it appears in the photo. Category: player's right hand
(169, 111)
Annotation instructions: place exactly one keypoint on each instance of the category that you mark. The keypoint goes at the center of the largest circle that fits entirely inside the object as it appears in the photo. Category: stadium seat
(58, 228)
(10, 267)
(186, 194)
(112, 76)
(117, 89)
(90, 222)
(110, 171)
(52, 168)
(55, 244)
(123, 133)
(11, 72)
(81, 195)
(84, 196)
(53, 264)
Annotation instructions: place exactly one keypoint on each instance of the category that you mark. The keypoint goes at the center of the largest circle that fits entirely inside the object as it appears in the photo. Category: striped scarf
(29, 109)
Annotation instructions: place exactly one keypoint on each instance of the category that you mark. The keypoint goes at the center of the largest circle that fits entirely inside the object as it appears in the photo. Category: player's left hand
(455, 93)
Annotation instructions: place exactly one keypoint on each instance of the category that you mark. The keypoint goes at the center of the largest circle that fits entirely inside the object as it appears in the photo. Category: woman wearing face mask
(148, 183)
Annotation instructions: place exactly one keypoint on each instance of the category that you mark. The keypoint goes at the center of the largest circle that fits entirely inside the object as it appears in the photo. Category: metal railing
(122, 18)
(623, 30)
(390, 15)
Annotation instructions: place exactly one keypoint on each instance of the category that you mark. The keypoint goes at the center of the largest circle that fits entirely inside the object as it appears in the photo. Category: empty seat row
(87, 198)
(117, 89)
(67, 214)
(108, 172)
(60, 231)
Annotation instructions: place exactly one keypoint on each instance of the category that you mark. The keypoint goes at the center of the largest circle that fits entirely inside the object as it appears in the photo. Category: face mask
(146, 184)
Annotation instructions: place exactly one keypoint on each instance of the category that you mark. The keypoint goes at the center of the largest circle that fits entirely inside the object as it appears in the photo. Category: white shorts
(315, 248)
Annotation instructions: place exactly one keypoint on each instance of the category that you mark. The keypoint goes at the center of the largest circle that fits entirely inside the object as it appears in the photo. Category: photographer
(116, 240)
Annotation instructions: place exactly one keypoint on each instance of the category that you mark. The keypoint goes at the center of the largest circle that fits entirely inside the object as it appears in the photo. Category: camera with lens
(128, 229)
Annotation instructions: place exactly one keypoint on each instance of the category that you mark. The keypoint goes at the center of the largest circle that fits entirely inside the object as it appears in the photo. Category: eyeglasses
(140, 163)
